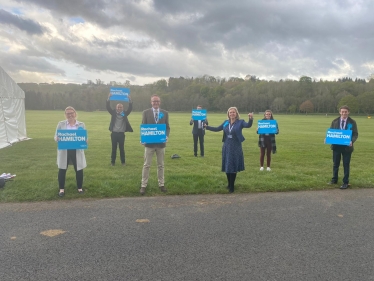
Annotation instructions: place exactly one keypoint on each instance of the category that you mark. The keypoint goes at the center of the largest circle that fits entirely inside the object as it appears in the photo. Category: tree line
(215, 94)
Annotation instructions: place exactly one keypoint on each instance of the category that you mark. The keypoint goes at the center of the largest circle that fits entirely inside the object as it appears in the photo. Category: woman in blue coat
(232, 151)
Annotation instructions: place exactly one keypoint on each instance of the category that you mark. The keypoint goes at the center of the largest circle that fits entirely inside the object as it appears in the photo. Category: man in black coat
(198, 133)
(119, 124)
(338, 151)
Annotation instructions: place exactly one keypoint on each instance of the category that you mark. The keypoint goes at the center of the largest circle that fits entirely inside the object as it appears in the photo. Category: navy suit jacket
(195, 128)
(351, 125)
(236, 130)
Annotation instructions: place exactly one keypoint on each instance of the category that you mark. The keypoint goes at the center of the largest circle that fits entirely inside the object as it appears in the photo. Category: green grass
(303, 161)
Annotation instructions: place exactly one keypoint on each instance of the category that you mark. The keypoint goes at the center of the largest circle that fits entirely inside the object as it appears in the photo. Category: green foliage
(351, 101)
(366, 102)
(215, 93)
(302, 162)
(292, 108)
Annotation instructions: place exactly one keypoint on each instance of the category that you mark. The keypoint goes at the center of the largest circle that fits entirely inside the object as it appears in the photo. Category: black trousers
(199, 136)
(118, 139)
(337, 155)
(72, 157)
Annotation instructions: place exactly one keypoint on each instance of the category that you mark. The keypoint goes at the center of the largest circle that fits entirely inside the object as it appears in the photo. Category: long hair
(237, 112)
(271, 116)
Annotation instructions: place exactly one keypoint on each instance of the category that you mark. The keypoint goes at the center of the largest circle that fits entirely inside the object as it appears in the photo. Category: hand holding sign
(250, 115)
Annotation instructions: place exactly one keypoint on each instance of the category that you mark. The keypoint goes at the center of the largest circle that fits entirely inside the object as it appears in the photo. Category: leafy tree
(278, 105)
(307, 107)
(351, 102)
(366, 102)
(292, 108)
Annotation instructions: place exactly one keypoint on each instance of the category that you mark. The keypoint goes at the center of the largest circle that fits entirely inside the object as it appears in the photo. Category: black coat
(335, 124)
(113, 112)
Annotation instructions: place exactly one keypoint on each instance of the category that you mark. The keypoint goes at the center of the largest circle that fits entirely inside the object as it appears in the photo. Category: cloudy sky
(72, 41)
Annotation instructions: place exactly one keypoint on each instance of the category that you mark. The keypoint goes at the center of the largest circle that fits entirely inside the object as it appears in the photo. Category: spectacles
(155, 101)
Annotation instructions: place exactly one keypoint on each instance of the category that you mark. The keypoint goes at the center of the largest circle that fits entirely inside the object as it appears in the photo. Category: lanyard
(230, 127)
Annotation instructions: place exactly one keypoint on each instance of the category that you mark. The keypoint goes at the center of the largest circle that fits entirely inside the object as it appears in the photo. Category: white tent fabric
(12, 111)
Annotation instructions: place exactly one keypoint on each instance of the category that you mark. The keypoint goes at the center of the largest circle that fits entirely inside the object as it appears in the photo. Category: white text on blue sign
(267, 127)
(199, 114)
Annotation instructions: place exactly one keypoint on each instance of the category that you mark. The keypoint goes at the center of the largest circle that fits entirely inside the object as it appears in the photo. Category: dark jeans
(199, 136)
(336, 157)
(118, 138)
(267, 148)
(72, 157)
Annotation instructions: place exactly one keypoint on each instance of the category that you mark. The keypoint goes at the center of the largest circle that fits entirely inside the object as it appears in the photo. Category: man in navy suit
(198, 133)
(344, 122)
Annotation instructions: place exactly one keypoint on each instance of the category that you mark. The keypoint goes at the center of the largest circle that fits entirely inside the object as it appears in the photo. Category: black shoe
(332, 182)
(112, 164)
(344, 186)
(195, 155)
(163, 189)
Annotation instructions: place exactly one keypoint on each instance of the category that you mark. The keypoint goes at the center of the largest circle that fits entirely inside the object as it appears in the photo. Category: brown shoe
(163, 189)
(142, 190)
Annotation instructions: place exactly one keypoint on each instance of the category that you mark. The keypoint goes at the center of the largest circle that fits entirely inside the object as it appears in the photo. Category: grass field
(303, 161)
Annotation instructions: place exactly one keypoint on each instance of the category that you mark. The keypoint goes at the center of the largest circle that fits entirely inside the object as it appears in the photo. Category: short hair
(344, 107)
(199, 106)
(155, 96)
(237, 112)
(72, 108)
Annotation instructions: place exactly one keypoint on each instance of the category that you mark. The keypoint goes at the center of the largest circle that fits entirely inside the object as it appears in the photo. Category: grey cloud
(275, 38)
(27, 25)
(121, 43)
(18, 62)
(98, 11)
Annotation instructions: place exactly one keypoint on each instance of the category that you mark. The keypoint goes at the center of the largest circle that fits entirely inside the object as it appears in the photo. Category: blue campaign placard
(72, 139)
(199, 114)
(336, 136)
(153, 133)
(267, 127)
(119, 94)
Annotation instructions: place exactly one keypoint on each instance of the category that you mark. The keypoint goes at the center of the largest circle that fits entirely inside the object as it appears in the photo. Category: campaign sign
(72, 139)
(199, 114)
(267, 127)
(119, 94)
(341, 137)
(153, 133)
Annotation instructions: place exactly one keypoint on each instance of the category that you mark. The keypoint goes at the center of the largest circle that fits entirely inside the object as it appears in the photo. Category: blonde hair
(237, 112)
(71, 108)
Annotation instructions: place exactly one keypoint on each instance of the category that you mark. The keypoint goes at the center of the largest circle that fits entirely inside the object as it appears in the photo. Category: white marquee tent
(12, 111)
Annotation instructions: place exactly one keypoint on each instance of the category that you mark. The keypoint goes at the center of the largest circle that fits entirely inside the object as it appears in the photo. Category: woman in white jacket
(70, 156)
